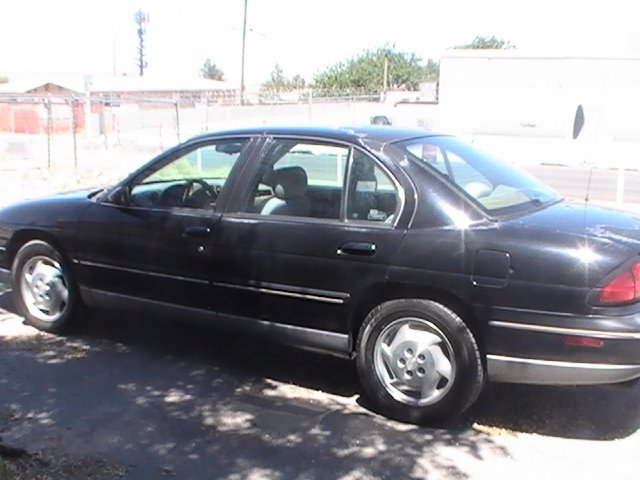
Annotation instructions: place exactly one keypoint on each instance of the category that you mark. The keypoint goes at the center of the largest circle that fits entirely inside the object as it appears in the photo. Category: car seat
(289, 186)
(362, 188)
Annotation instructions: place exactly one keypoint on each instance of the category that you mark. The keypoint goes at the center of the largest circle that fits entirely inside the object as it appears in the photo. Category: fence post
(115, 124)
(49, 126)
(74, 123)
(206, 115)
(176, 105)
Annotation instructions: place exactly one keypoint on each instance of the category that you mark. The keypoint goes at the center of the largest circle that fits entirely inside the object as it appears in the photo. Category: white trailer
(524, 106)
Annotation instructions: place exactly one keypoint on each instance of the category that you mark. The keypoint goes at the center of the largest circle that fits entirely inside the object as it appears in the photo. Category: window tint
(372, 195)
(193, 180)
(301, 179)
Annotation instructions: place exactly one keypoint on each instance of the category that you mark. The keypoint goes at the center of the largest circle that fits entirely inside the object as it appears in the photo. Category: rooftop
(358, 133)
(117, 84)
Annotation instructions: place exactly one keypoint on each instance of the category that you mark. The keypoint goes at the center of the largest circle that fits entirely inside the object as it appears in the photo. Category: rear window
(496, 187)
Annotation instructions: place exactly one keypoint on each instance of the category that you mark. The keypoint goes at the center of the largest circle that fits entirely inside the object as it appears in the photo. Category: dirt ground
(134, 398)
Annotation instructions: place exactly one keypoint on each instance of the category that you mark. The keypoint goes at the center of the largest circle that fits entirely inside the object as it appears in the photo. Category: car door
(313, 228)
(152, 238)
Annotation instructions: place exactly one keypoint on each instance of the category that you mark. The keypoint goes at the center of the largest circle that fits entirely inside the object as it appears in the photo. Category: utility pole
(244, 43)
(114, 56)
(386, 74)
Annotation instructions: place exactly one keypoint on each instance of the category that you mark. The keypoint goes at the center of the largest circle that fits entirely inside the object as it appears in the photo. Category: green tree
(365, 73)
(432, 71)
(488, 43)
(297, 82)
(278, 82)
(211, 71)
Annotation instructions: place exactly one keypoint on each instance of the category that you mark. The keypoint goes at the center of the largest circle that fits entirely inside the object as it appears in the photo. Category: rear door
(312, 228)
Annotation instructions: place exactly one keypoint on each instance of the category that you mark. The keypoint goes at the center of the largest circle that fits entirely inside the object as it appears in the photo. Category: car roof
(353, 134)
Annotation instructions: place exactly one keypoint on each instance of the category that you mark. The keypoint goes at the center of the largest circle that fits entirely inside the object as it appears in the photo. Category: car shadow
(588, 412)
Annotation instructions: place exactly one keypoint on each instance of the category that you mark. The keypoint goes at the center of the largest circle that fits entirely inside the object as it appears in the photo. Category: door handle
(197, 232)
(357, 248)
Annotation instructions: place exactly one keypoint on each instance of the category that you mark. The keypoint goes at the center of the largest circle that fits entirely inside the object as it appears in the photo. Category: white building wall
(487, 95)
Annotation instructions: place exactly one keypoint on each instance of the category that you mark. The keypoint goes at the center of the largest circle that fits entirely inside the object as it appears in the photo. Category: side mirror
(120, 196)
(578, 122)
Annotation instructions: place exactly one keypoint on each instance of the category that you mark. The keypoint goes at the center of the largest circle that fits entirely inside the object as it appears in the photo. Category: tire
(43, 290)
(418, 362)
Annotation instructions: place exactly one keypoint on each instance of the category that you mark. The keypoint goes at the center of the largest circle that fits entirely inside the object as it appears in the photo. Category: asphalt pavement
(147, 398)
(574, 183)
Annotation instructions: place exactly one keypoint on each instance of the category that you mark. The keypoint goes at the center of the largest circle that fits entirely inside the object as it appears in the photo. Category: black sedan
(431, 264)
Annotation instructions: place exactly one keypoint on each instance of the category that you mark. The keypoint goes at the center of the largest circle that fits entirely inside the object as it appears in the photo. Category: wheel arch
(21, 237)
(396, 291)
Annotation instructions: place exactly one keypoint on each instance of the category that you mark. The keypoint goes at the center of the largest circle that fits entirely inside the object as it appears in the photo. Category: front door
(154, 242)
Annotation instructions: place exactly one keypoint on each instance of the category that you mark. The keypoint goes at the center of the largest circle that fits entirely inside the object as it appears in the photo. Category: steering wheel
(198, 197)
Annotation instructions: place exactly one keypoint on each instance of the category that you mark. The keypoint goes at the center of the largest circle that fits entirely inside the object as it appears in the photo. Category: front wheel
(42, 287)
(418, 361)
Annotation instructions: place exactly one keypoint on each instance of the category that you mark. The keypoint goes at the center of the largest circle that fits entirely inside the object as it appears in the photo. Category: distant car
(431, 264)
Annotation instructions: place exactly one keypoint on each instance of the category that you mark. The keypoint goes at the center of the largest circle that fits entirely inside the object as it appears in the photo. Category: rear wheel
(43, 289)
(418, 361)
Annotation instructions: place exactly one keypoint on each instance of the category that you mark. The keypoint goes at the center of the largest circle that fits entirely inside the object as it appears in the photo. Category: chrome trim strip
(273, 289)
(284, 293)
(566, 331)
(558, 363)
(540, 312)
(302, 337)
(141, 272)
(553, 372)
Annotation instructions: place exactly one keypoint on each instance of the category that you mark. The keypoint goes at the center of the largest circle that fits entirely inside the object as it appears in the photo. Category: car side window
(193, 180)
(457, 169)
(300, 178)
(371, 194)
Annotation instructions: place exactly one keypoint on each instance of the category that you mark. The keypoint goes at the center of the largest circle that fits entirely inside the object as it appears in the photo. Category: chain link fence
(51, 143)
(118, 133)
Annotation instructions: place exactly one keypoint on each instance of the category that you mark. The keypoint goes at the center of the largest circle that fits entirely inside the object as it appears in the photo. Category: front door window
(193, 180)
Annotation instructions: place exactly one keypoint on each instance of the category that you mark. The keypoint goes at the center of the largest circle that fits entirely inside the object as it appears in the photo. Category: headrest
(362, 168)
(289, 182)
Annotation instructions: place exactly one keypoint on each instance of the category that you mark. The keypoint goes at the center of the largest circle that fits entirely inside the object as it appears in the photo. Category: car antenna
(578, 124)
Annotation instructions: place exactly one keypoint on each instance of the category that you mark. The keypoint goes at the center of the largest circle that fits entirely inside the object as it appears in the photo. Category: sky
(92, 37)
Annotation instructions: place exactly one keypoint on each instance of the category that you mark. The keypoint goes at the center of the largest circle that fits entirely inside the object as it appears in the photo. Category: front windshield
(498, 188)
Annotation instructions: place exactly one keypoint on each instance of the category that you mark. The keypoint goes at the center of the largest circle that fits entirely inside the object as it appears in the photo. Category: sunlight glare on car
(584, 254)
(460, 219)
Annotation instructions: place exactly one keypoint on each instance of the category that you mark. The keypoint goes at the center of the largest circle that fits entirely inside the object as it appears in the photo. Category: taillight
(635, 270)
(623, 288)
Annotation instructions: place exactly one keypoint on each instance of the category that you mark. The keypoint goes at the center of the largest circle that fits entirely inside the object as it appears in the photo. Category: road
(135, 398)
(572, 182)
